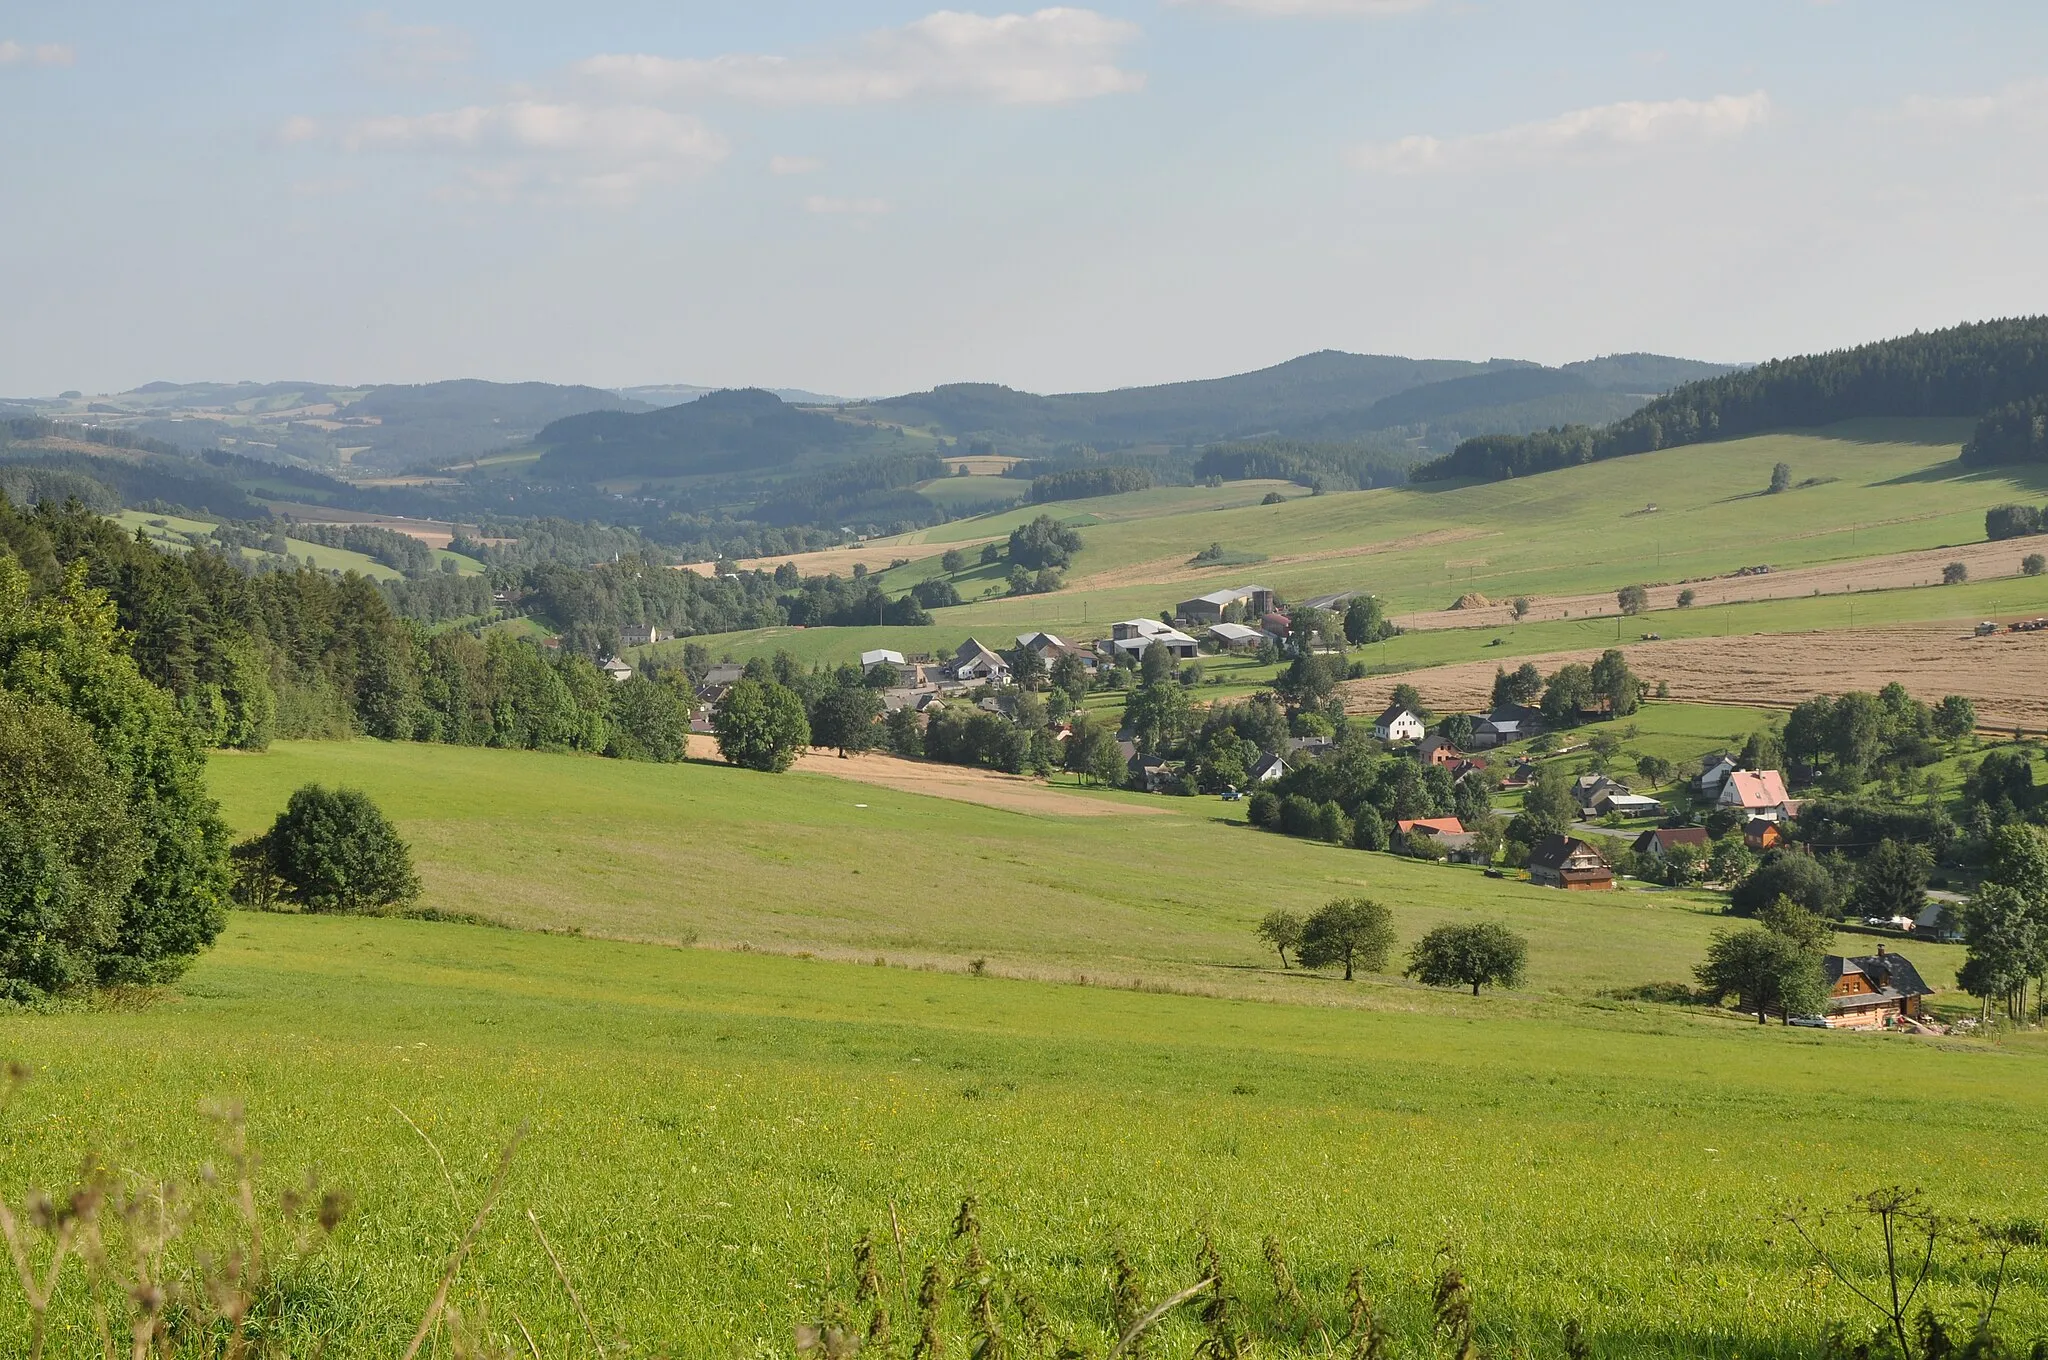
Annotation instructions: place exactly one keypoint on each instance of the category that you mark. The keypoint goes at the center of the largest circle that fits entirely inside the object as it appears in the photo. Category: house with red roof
(1757, 794)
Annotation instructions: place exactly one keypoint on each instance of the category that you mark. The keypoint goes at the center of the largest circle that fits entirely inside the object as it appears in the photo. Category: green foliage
(1044, 542)
(1955, 574)
(760, 725)
(1787, 918)
(2033, 564)
(1781, 478)
(650, 720)
(1356, 932)
(1765, 971)
(1283, 931)
(1567, 694)
(1788, 874)
(333, 850)
(69, 852)
(1080, 483)
(1892, 880)
(1366, 621)
(721, 432)
(1957, 372)
(63, 650)
(1686, 597)
(1480, 954)
(845, 717)
(1633, 599)
(1615, 685)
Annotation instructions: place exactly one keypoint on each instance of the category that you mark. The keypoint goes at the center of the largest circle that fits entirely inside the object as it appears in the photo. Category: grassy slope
(328, 559)
(711, 1131)
(1575, 530)
(677, 853)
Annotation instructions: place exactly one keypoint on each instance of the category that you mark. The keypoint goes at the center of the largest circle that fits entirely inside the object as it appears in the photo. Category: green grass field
(323, 557)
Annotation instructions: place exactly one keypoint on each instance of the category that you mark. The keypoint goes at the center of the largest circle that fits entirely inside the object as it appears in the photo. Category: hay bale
(1472, 600)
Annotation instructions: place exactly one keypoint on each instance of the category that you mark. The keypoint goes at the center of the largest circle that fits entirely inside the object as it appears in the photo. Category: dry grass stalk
(462, 1249)
(563, 1275)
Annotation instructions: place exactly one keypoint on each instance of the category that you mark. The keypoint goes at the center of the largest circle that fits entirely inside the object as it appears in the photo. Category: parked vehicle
(1808, 1022)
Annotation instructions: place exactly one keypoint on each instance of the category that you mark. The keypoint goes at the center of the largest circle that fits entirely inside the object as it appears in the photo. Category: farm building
(1447, 826)
(1503, 726)
(1438, 751)
(1235, 637)
(870, 660)
(1760, 793)
(1873, 991)
(1626, 804)
(1568, 862)
(617, 669)
(641, 635)
(1050, 647)
(1398, 723)
(1661, 841)
(1249, 600)
(1133, 636)
(1759, 833)
(976, 662)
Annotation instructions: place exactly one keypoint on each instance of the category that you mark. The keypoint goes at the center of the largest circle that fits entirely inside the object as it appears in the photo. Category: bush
(1264, 809)
(1044, 542)
(333, 850)
(1954, 574)
(1686, 597)
(2033, 564)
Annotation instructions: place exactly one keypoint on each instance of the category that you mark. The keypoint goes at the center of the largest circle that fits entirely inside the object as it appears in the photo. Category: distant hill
(1985, 369)
(723, 433)
(388, 426)
(1271, 399)
(675, 394)
(1649, 374)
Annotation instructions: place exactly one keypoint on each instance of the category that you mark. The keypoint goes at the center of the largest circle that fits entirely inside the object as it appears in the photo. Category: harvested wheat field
(1893, 571)
(2003, 674)
(989, 788)
(842, 561)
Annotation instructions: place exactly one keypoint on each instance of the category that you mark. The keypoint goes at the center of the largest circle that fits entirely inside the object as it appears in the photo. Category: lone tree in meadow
(1633, 599)
(2033, 564)
(1354, 931)
(1954, 574)
(1282, 930)
(1484, 953)
(760, 725)
(1765, 971)
(845, 718)
(1781, 478)
(334, 850)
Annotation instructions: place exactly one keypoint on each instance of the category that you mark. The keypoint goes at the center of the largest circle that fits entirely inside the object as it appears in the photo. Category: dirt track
(1986, 561)
(2004, 673)
(1013, 793)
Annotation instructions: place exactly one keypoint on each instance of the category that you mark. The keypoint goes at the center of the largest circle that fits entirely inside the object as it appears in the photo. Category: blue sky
(866, 197)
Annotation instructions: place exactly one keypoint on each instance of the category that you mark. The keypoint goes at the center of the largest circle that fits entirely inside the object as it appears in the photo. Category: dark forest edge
(1994, 371)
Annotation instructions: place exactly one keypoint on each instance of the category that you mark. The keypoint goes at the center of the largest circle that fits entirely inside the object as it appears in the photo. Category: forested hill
(1276, 398)
(1990, 369)
(726, 432)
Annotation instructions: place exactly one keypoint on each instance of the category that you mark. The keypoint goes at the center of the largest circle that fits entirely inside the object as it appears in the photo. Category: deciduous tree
(1481, 954)
(1282, 930)
(760, 725)
(1765, 971)
(1354, 931)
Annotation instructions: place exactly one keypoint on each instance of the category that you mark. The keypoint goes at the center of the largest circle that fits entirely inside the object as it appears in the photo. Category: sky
(866, 197)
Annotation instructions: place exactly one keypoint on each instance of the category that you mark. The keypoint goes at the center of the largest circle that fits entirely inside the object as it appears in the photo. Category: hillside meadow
(1881, 487)
(701, 853)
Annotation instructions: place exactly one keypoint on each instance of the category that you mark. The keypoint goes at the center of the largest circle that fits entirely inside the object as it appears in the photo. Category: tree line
(1997, 370)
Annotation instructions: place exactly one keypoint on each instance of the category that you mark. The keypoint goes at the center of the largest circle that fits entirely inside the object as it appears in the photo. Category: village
(1523, 789)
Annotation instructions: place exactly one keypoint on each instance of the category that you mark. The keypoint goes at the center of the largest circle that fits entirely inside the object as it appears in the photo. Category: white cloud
(794, 165)
(1290, 9)
(1596, 134)
(856, 207)
(609, 153)
(1052, 56)
(13, 53)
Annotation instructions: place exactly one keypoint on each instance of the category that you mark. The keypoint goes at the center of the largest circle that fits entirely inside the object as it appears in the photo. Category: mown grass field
(711, 1131)
(804, 862)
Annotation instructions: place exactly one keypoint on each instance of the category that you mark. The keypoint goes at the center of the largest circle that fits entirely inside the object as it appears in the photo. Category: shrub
(2033, 564)
(1954, 574)
(333, 850)
(1686, 597)
(1368, 831)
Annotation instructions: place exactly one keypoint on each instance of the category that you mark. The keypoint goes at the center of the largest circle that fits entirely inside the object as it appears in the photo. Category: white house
(617, 669)
(641, 635)
(1759, 794)
(870, 660)
(1398, 724)
(976, 662)
(1714, 772)
(1268, 768)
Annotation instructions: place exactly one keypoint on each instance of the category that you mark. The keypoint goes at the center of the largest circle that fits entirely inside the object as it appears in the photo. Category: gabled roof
(1888, 972)
(1393, 714)
(1265, 763)
(879, 655)
(1233, 632)
(1035, 640)
(1759, 788)
(1553, 851)
(972, 651)
(1665, 837)
(1447, 826)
